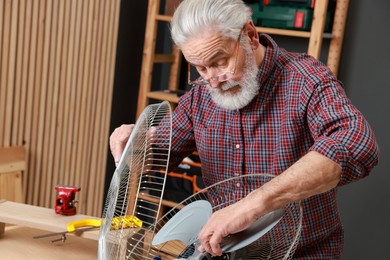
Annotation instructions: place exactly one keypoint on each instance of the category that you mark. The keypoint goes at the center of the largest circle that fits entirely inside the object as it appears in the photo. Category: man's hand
(118, 140)
(222, 223)
(313, 174)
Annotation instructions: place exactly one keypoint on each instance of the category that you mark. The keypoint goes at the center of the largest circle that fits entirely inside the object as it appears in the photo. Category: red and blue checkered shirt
(300, 107)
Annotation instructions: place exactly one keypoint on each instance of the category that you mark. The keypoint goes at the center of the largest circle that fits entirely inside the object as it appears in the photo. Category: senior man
(257, 108)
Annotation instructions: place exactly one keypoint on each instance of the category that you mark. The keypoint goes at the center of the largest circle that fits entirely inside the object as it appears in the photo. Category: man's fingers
(210, 242)
(214, 243)
(118, 140)
(152, 131)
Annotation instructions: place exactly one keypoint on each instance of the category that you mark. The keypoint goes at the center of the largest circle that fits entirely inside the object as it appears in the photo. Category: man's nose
(213, 77)
(214, 83)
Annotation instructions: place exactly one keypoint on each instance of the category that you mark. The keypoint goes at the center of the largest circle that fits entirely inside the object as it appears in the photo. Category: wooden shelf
(283, 32)
(163, 18)
(163, 95)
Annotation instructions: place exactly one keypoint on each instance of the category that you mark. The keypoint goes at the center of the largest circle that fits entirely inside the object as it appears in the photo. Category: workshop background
(69, 75)
(364, 69)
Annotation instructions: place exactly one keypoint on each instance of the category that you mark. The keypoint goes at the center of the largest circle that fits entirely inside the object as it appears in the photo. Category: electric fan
(273, 236)
(131, 227)
(134, 197)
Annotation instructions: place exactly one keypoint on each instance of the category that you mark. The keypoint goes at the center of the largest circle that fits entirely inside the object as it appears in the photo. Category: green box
(288, 16)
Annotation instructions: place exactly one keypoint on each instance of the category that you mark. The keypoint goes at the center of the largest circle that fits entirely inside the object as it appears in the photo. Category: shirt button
(237, 146)
(238, 185)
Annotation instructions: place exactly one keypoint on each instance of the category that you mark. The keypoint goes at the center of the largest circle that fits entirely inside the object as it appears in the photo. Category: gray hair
(192, 17)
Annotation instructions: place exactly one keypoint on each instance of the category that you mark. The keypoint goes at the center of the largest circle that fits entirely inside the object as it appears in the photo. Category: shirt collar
(270, 57)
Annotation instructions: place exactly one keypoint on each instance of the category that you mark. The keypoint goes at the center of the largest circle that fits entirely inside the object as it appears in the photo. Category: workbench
(20, 222)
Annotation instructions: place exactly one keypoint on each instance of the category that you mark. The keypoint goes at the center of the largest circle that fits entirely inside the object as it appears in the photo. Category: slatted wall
(56, 80)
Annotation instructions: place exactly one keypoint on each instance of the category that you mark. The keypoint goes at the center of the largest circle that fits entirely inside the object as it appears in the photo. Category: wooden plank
(163, 95)
(102, 134)
(30, 102)
(25, 89)
(317, 28)
(12, 159)
(97, 105)
(88, 159)
(1, 40)
(45, 106)
(39, 106)
(19, 93)
(109, 71)
(80, 120)
(174, 73)
(283, 32)
(58, 127)
(338, 29)
(70, 95)
(163, 18)
(17, 243)
(86, 97)
(64, 99)
(52, 94)
(101, 150)
(11, 75)
(40, 218)
(163, 58)
(4, 67)
(148, 55)
(74, 94)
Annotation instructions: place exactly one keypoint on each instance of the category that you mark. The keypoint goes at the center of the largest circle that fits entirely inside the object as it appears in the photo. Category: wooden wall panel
(56, 80)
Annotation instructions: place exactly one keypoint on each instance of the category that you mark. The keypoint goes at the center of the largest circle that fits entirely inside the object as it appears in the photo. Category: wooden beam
(335, 47)
(317, 28)
(148, 55)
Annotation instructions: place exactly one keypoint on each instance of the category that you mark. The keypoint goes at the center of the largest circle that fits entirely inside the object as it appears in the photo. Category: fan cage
(278, 243)
(137, 186)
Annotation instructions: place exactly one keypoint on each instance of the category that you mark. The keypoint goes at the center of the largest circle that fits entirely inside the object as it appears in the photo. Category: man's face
(213, 55)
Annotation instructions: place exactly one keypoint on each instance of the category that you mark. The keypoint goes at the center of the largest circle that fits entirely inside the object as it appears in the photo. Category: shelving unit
(315, 37)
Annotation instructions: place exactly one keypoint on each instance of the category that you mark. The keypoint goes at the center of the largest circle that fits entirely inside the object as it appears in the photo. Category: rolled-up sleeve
(341, 132)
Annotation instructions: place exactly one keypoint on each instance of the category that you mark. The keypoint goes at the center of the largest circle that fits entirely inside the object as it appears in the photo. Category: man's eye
(220, 63)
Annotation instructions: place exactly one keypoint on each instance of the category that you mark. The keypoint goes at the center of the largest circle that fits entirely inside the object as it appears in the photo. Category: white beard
(249, 85)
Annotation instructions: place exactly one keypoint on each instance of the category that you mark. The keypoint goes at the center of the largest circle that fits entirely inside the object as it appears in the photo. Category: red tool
(66, 202)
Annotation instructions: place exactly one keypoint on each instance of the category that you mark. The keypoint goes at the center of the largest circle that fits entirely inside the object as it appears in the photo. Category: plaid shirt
(300, 107)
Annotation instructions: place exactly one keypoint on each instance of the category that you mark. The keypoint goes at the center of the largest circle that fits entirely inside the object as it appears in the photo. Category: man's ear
(252, 34)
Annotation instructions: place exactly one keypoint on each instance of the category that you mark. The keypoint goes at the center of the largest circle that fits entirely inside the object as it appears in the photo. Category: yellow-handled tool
(88, 224)
(73, 226)
(116, 223)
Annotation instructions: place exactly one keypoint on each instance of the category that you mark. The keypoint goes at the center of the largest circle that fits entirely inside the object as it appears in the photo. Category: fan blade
(186, 224)
(260, 227)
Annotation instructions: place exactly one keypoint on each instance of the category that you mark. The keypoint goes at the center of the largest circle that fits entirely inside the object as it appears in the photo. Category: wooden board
(17, 243)
(41, 218)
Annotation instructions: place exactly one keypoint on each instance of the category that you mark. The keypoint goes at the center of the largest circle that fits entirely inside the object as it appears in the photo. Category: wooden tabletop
(17, 243)
(39, 218)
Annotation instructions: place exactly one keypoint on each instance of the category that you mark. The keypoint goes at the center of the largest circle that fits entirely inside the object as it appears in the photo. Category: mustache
(229, 84)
